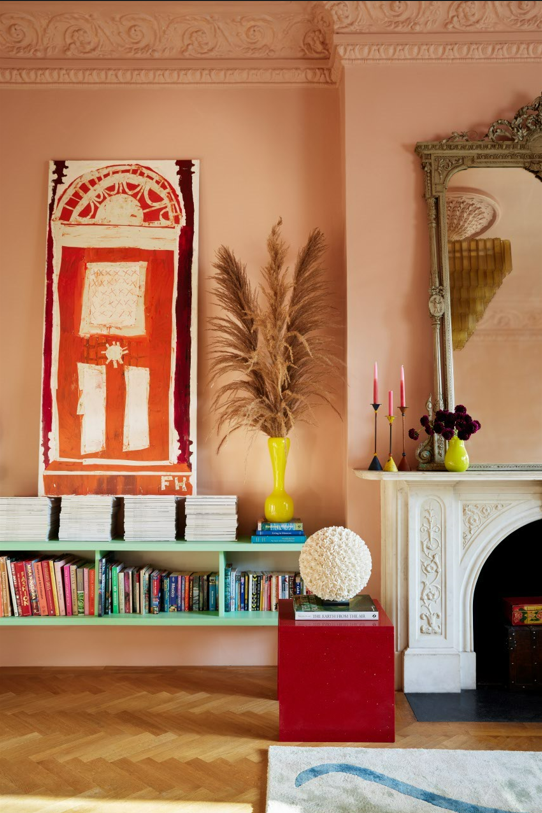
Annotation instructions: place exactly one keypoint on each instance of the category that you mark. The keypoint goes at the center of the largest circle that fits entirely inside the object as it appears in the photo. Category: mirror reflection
(495, 258)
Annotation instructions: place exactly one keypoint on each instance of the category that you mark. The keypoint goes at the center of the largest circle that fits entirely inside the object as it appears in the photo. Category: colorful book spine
(227, 589)
(25, 607)
(73, 583)
(85, 591)
(180, 594)
(80, 584)
(32, 589)
(121, 576)
(5, 604)
(165, 594)
(92, 590)
(146, 591)
(115, 589)
(57, 568)
(172, 594)
(53, 586)
(267, 539)
(14, 606)
(67, 589)
(128, 590)
(46, 571)
(100, 587)
(40, 587)
(280, 533)
(242, 598)
(155, 591)
(137, 590)
(213, 592)
(279, 527)
(108, 588)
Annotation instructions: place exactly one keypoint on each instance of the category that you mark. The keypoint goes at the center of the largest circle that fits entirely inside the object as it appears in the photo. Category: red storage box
(521, 610)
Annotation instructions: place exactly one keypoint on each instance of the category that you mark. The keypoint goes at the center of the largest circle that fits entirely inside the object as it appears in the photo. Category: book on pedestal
(312, 608)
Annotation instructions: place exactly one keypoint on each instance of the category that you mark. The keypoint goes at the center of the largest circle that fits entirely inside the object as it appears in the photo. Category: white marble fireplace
(438, 530)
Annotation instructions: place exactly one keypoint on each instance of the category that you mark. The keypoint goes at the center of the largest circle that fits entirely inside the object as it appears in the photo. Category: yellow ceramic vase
(456, 458)
(279, 506)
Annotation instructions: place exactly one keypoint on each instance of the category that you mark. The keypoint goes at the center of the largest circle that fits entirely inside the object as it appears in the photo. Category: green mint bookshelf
(202, 619)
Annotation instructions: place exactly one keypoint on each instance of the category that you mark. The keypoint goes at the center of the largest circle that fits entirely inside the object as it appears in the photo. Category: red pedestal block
(335, 679)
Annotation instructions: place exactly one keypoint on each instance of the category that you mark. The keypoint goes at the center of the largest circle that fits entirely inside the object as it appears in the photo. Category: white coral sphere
(335, 564)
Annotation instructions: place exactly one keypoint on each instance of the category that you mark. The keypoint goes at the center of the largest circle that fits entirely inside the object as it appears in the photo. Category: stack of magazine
(28, 519)
(91, 518)
(211, 519)
(312, 608)
(150, 518)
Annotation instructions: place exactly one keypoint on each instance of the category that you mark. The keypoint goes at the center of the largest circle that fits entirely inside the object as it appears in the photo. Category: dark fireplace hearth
(507, 691)
(513, 569)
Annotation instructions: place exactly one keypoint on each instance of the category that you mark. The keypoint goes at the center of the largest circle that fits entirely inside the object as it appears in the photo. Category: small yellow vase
(279, 506)
(456, 458)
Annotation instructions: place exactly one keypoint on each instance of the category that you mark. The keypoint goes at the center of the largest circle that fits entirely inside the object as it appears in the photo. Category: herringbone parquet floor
(189, 740)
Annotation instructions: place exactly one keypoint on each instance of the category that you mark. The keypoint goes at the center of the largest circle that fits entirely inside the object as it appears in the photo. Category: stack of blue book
(273, 532)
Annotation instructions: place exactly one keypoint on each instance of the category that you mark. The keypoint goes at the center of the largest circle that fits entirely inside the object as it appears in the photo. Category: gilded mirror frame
(515, 143)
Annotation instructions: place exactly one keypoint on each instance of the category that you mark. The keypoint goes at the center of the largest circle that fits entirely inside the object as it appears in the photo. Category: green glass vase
(456, 458)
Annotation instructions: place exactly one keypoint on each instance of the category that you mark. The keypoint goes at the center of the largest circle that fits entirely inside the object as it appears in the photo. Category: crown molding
(64, 44)
(437, 51)
(437, 16)
(69, 77)
(289, 31)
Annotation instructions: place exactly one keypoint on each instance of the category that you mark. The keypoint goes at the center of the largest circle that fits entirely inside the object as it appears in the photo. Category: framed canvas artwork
(119, 359)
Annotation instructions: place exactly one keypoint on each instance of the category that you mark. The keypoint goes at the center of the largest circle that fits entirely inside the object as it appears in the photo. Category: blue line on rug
(395, 784)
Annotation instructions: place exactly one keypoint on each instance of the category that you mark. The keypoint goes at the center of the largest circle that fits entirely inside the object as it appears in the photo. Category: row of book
(146, 590)
(63, 585)
(272, 532)
(248, 590)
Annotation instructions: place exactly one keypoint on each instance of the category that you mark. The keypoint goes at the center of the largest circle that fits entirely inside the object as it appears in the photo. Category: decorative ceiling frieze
(300, 33)
(77, 42)
(437, 16)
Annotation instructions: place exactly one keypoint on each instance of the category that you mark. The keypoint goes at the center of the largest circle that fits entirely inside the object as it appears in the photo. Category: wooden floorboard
(185, 740)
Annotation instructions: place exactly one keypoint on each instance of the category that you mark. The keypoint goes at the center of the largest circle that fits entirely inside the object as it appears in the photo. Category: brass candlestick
(390, 463)
(375, 465)
(403, 465)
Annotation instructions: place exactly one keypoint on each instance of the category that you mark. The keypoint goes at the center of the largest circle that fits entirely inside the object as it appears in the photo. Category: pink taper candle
(390, 402)
(403, 395)
(375, 385)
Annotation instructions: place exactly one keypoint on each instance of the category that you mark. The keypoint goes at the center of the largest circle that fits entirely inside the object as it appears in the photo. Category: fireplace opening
(513, 569)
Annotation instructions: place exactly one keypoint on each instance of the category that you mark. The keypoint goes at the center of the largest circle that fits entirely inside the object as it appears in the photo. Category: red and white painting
(119, 360)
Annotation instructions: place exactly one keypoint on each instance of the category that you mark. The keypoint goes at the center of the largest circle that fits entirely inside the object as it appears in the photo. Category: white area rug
(392, 780)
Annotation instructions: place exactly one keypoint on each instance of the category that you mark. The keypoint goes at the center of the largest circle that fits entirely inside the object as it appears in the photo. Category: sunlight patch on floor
(78, 804)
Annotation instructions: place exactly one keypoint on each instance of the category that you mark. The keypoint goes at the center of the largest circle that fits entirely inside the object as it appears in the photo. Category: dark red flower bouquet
(448, 424)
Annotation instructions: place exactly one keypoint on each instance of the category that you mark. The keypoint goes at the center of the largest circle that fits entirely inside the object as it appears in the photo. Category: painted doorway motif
(118, 395)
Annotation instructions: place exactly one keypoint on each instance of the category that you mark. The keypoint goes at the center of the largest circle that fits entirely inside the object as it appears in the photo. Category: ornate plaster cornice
(85, 43)
(425, 50)
(289, 31)
(437, 16)
(66, 77)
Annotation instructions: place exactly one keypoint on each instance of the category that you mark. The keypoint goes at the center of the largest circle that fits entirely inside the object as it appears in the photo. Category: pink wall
(265, 153)
(388, 108)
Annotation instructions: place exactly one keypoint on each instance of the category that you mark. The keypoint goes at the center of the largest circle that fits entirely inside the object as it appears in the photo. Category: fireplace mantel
(438, 529)
(451, 477)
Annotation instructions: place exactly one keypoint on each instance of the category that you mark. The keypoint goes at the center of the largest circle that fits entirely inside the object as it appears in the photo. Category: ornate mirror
(484, 198)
